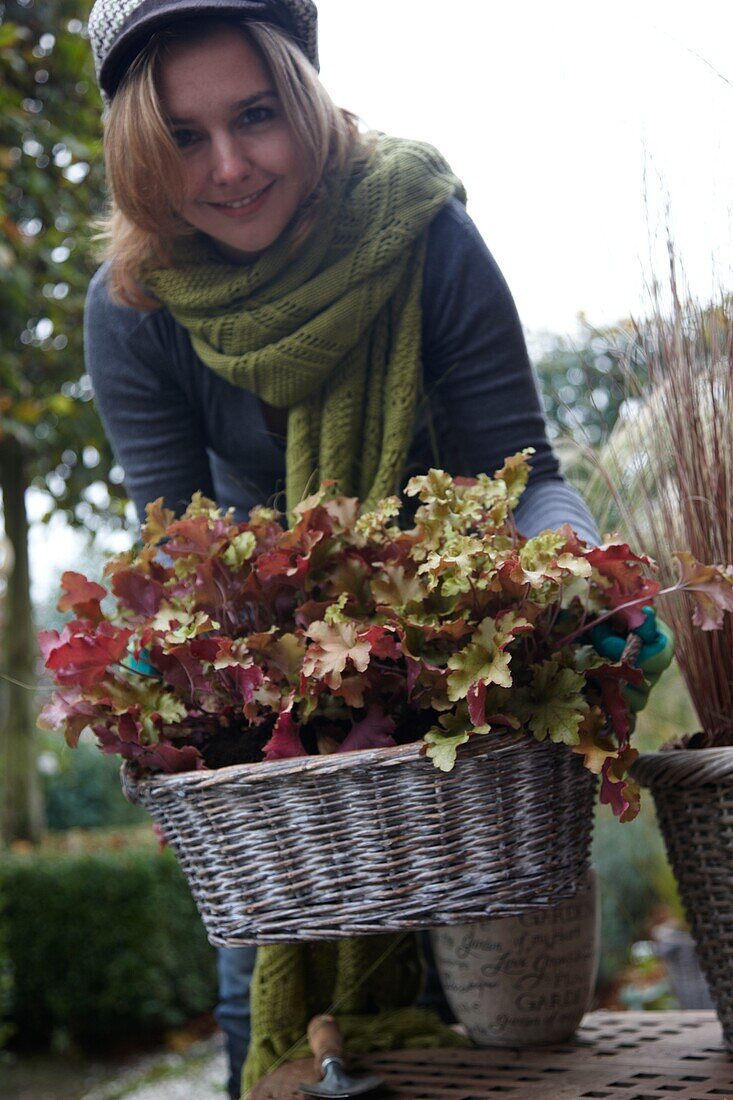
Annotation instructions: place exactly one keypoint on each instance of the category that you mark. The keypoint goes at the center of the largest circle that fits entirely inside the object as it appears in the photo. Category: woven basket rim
(684, 767)
(265, 771)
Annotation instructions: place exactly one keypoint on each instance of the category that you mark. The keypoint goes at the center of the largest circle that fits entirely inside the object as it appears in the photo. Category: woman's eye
(255, 115)
(184, 138)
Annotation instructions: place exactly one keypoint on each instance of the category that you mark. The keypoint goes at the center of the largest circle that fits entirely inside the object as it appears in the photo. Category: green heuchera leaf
(538, 552)
(443, 742)
(454, 564)
(396, 589)
(202, 506)
(553, 705)
(335, 613)
(542, 562)
(515, 473)
(376, 525)
(239, 550)
(484, 658)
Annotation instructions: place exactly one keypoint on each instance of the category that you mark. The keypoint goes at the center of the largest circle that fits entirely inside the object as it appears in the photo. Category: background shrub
(637, 885)
(5, 980)
(105, 946)
(82, 789)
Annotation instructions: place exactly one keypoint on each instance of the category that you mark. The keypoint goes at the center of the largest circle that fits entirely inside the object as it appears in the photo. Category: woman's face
(244, 176)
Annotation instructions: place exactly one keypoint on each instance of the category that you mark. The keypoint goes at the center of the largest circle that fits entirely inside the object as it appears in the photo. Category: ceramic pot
(520, 981)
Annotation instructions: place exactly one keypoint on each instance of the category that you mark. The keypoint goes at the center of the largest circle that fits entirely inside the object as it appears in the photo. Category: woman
(284, 299)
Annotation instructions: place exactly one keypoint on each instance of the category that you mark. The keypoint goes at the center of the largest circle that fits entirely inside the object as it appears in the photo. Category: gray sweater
(176, 426)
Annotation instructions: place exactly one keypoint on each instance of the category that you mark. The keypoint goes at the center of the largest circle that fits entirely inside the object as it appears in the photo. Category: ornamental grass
(668, 469)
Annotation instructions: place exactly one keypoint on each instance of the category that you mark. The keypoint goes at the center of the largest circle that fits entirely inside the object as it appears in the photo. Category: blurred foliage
(81, 788)
(584, 381)
(107, 947)
(6, 980)
(637, 885)
(51, 188)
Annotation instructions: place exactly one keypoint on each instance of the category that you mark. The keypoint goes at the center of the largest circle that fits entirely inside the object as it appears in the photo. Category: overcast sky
(558, 116)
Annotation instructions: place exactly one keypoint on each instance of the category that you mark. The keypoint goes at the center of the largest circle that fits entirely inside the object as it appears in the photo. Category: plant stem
(679, 586)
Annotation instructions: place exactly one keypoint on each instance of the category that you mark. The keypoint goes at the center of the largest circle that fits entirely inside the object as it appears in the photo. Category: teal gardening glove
(655, 655)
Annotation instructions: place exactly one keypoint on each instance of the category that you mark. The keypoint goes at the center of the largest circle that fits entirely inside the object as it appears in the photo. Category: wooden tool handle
(325, 1039)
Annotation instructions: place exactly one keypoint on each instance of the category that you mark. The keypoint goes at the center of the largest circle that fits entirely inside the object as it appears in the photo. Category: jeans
(235, 966)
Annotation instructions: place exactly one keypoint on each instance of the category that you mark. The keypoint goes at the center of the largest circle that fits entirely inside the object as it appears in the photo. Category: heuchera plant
(230, 642)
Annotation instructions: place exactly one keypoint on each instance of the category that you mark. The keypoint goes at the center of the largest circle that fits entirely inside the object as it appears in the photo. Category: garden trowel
(325, 1041)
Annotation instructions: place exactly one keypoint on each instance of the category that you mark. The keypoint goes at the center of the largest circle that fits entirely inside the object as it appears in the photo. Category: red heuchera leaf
(82, 596)
(170, 758)
(645, 592)
(245, 680)
(710, 586)
(213, 588)
(285, 741)
(383, 642)
(476, 699)
(70, 710)
(198, 535)
(352, 689)
(288, 562)
(512, 580)
(82, 656)
(573, 544)
(612, 792)
(312, 611)
(373, 732)
(611, 679)
(414, 668)
(622, 566)
(163, 756)
(182, 666)
(137, 591)
(281, 565)
(622, 795)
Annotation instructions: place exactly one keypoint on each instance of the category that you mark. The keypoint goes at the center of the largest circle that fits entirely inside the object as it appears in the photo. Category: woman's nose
(230, 161)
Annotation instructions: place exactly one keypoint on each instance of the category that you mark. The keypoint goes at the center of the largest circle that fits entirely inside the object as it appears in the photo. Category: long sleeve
(481, 397)
(150, 420)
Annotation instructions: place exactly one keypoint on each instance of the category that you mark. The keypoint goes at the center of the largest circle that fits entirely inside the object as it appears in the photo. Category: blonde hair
(145, 168)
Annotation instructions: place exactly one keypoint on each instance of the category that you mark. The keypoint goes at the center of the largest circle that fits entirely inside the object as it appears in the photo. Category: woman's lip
(243, 211)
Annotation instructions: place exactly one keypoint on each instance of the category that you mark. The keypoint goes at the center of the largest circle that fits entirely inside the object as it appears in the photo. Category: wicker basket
(693, 794)
(322, 847)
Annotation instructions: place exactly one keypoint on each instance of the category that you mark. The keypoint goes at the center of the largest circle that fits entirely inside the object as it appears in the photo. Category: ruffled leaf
(285, 741)
(554, 704)
(82, 596)
(711, 587)
(373, 732)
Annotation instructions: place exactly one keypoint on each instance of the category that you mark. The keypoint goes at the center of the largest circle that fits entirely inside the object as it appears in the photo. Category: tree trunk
(21, 817)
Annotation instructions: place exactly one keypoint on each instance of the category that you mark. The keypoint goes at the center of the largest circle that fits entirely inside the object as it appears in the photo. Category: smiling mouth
(238, 204)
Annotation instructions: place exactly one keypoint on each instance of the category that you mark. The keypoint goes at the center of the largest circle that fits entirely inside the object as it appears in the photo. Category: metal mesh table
(618, 1055)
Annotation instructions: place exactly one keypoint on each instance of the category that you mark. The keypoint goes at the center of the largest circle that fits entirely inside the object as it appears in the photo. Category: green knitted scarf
(370, 984)
(330, 330)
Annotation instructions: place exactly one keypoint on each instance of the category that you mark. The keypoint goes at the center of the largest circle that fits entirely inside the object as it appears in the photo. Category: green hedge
(6, 984)
(84, 792)
(104, 946)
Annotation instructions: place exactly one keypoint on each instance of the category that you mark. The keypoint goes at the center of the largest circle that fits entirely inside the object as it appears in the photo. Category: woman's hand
(654, 656)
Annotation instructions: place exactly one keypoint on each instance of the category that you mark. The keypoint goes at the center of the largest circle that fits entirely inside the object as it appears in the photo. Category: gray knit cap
(120, 29)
